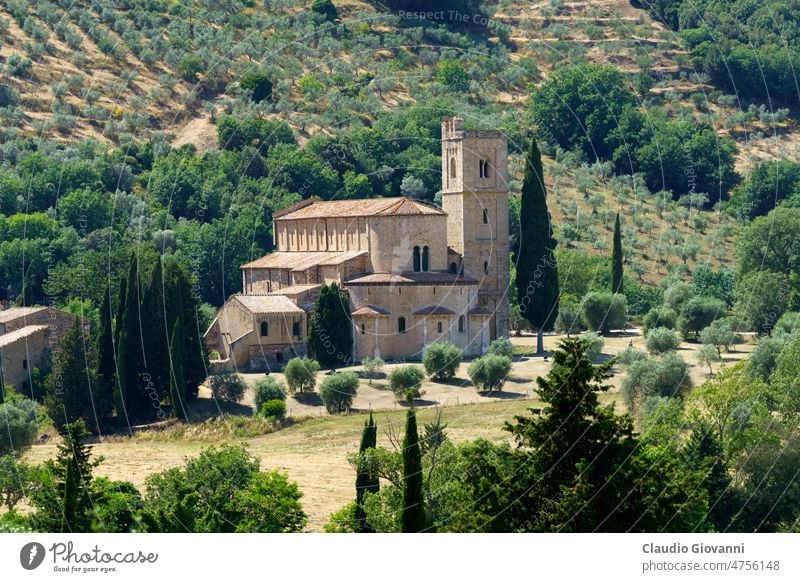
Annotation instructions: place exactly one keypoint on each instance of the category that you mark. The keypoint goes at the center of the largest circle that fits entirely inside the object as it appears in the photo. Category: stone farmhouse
(414, 273)
(28, 338)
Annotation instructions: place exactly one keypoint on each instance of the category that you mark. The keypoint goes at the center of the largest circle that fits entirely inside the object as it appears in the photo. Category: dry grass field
(314, 450)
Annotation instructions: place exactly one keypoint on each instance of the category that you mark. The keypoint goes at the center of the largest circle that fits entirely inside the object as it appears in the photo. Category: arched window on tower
(485, 216)
(486, 267)
(439, 327)
(416, 260)
(401, 325)
(453, 167)
(461, 323)
(264, 329)
(425, 259)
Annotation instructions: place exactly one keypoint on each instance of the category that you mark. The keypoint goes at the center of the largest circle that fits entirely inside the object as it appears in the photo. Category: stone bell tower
(475, 198)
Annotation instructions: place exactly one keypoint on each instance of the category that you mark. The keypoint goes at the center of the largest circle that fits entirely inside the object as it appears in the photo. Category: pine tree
(106, 366)
(537, 272)
(365, 481)
(616, 260)
(331, 337)
(177, 381)
(73, 390)
(413, 518)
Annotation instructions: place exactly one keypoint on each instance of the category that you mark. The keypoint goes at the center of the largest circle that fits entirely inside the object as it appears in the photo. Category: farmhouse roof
(20, 334)
(17, 312)
(267, 304)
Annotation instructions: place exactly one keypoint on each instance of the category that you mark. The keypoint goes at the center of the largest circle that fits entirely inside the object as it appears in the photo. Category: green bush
(227, 387)
(259, 84)
(273, 409)
(325, 8)
(594, 344)
(698, 313)
(667, 375)
(502, 346)
(18, 426)
(266, 389)
(453, 75)
(630, 355)
(659, 317)
(661, 340)
(764, 358)
(301, 374)
(788, 325)
(569, 319)
(372, 367)
(406, 381)
(604, 311)
(489, 372)
(441, 360)
(338, 391)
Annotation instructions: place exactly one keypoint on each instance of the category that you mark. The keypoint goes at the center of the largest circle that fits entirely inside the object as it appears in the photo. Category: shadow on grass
(418, 402)
(308, 398)
(500, 395)
(454, 382)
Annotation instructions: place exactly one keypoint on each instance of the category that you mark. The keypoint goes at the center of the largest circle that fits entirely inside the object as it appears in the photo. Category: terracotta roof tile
(16, 312)
(19, 334)
(372, 310)
(411, 279)
(302, 260)
(268, 304)
(352, 208)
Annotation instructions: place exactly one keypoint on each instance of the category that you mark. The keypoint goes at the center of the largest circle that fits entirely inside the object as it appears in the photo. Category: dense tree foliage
(331, 333)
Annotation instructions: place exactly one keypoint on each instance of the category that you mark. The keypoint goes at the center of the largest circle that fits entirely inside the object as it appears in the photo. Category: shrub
(698, 313)
(707, 355)
(325, 8)
(189, 67)
(489, 372)
(273, 410)
(660, 317)
(18, 426)
(569, 319)
(228, 387)
(630, 355)
(338, 390)
(720, 334)
(452, 74)
(677, 294)
(667, 375)
(594, 344)
(441, 360)
(787, 325)
(301, 374)
(502, 346)
(259, 84)
(765, 357)
(372, 367)
(406, 381)
(267, 389)
(603, 311)
(661, 340)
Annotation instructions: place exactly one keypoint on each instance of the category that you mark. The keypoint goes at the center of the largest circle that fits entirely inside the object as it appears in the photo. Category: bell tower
(475, 198)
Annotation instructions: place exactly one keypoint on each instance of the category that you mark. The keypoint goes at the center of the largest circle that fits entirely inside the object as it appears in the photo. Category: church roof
(315, 208)
(302, 260)
(411, 279)
(434, 310)
(268, 304)
(372, 310)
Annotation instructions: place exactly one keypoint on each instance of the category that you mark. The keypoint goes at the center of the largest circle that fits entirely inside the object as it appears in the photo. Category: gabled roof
(315, 208)
(267, 304)
(411, 279)
(16, 312)
(374, 310)
(20, 334)
(302, 260)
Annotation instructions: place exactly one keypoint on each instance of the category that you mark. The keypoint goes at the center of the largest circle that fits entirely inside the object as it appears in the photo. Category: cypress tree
(331, 338)
(537, 272)
(120, 394)
(616, 259)
(158, 332)
(131, 360)
(72, 390)
(106, 367)
(365, 481)
(177, 381)
(413, 518)
(2, 382)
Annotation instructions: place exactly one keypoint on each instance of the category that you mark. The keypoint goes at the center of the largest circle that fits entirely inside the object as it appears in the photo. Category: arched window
(425, 259)
(453, 268)
(439, 327)
(363, 329)
(24, 364)
(485, 216)
(416, 259)
(461, 323)
(483, 168)
(452, 167)
(401, 325)
(486, 267)
(264, 329)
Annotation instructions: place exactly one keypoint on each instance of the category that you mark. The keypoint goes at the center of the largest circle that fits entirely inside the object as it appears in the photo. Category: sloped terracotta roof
(302, 260)
(19, 334)
(268, 304)
(372, 310)
(351, 208)
(16, 312)
(295, 289)
(411, 279)
(434, 310)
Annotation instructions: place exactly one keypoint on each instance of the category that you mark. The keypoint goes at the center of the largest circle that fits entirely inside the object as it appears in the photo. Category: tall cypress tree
(616, 259)
(120, 394)
(177, 381)
(331, 337)
(157, 345)
(2, 382)
(366, 482)
(537, 271)
(106, 367)
(131, 361)
(413, 518)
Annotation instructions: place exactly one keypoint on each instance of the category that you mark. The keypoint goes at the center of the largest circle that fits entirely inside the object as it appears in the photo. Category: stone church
(414, 273)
